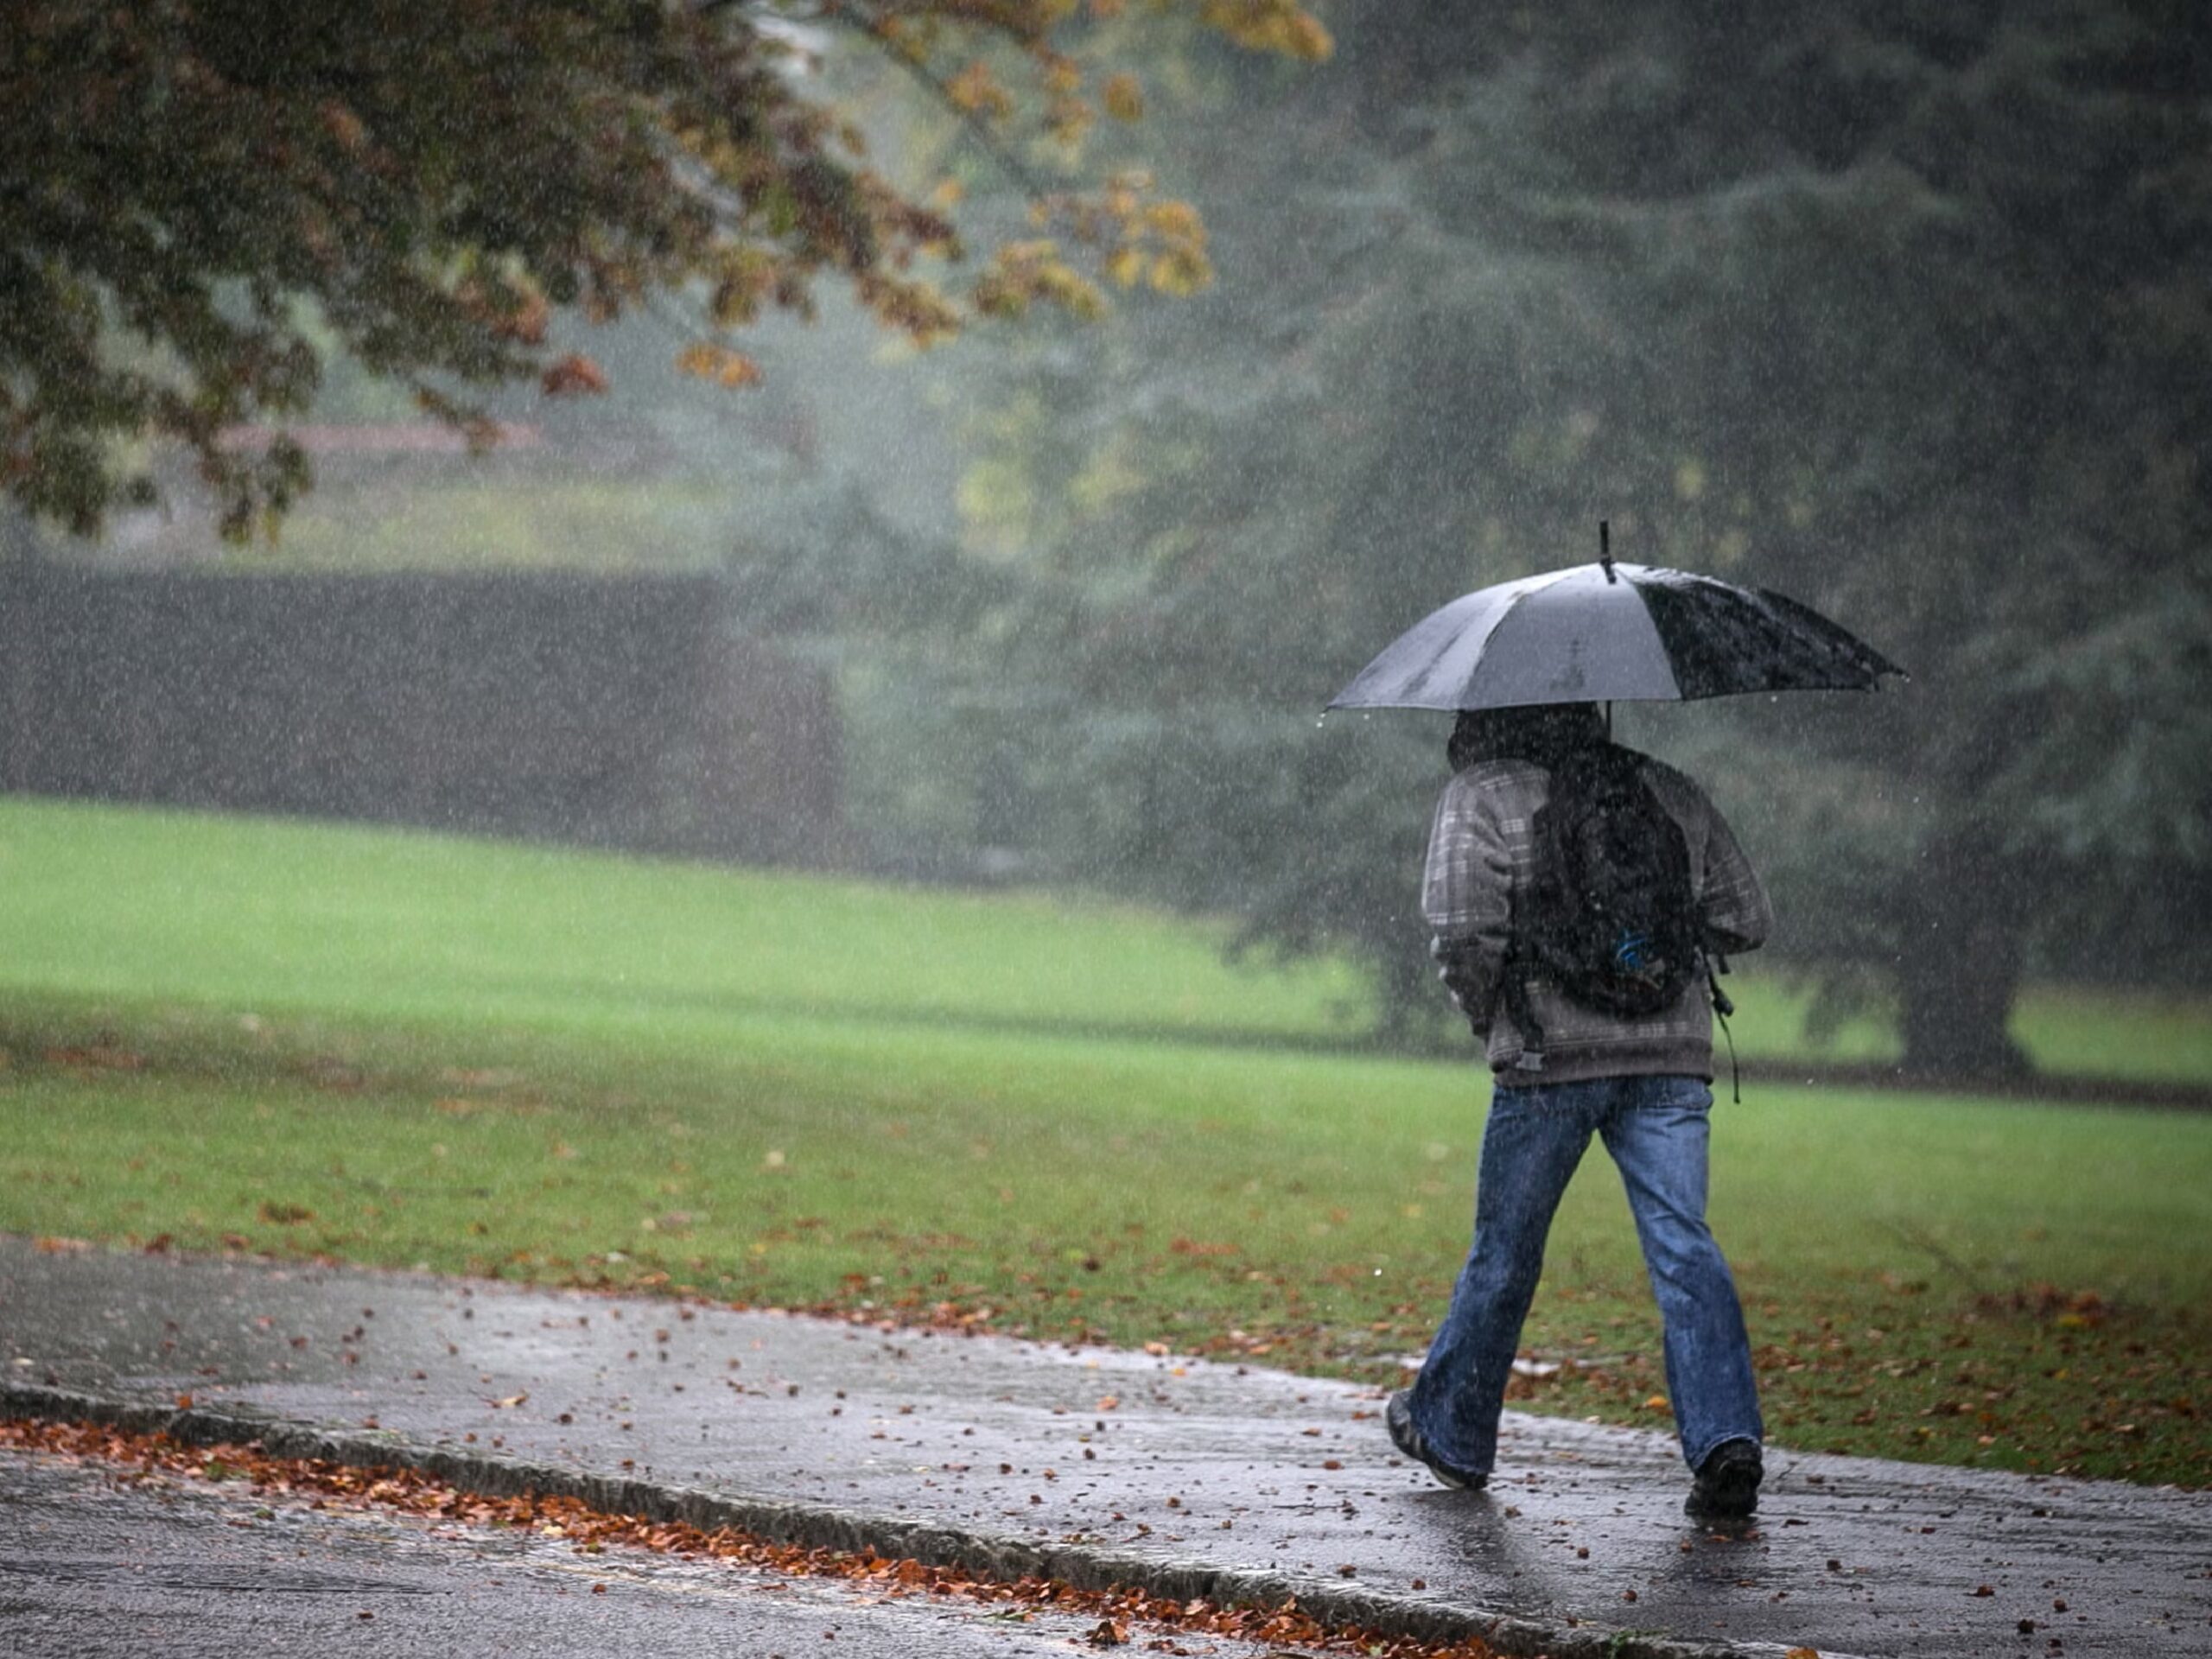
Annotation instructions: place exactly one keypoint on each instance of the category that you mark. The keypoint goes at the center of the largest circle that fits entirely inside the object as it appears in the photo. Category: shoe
(1398, 1418)
(1727, 1485)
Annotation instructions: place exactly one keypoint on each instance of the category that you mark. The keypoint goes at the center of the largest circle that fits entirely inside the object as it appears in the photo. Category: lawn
(1038, 1117)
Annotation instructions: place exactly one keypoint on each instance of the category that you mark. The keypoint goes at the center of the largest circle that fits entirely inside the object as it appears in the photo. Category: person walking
(1549, 837)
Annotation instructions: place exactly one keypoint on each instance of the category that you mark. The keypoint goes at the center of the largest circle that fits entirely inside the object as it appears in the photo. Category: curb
(826, 1527)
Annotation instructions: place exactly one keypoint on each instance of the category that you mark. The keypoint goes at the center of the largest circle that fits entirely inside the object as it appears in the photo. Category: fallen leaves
(2069, 1310)
(2055, 1381)
(1121, 1614)
(2074, 1375)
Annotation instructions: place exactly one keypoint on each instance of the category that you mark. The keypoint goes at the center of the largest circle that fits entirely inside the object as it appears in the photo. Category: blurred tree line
(1897, 305)
(1899, 309)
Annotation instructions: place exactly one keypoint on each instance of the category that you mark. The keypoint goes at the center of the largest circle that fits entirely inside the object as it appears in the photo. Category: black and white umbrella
(1612, 632)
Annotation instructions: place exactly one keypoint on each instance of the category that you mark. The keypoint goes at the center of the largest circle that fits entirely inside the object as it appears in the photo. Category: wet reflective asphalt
(1150, 1455)
(90, 1565)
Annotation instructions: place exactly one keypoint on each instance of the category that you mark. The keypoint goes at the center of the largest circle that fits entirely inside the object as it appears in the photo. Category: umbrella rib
(1474, 647)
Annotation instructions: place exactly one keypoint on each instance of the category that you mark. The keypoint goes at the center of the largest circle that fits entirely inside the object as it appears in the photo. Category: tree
(179, 179)
(1898, 311)
(1980, 278)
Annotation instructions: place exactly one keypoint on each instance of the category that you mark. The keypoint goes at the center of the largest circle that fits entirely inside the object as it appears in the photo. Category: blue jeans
(1655, 1130)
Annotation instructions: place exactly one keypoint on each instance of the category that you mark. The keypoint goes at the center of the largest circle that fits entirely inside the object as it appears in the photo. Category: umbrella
(1608, 633)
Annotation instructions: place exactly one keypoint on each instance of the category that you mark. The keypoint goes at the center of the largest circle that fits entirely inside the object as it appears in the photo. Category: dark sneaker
(1727, 1486)
(1397, 1417)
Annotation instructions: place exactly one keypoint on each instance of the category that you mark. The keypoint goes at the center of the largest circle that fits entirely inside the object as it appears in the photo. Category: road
(1137, 1457)
(94, 1564)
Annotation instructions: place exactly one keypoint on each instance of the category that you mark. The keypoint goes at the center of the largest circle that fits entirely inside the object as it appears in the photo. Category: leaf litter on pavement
(1233, 1240)
(1114, 1618)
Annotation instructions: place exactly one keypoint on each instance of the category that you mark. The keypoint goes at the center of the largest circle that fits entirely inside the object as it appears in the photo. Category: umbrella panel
(1579, 639)
(1724, 640)
(1643, 635)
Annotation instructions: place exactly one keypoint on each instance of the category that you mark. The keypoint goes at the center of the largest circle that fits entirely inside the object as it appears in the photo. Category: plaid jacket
(1480, 859)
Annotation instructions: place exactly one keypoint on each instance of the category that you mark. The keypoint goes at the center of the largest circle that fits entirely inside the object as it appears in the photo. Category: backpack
(1610, 916)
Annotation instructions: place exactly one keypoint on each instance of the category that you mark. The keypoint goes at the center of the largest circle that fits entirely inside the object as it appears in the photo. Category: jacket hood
(1541, 732)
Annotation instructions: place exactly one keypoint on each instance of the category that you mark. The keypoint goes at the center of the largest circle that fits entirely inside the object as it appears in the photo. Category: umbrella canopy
(1613, 632)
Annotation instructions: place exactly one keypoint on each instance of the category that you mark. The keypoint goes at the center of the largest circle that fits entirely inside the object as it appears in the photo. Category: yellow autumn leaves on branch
(636, 156)
(1117, 235)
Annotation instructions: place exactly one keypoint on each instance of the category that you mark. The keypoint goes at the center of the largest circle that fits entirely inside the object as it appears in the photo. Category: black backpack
(1611, 917)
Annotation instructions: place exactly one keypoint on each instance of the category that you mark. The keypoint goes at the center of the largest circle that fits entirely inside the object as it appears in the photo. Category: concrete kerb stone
(828, 1527)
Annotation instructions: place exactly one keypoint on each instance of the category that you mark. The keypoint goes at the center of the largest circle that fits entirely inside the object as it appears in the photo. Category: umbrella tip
(1605, 548)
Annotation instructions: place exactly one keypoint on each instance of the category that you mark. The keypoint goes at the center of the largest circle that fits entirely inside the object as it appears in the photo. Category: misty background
(1897, 309)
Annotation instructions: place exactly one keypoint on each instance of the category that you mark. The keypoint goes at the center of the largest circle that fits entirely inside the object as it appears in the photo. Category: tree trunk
(1963, 943)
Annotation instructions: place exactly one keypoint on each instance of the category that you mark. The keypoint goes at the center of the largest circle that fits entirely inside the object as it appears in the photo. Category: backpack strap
(1724, 1005)
(1513, 991)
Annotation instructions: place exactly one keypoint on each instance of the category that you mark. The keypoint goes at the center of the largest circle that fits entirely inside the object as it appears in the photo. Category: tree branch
(867, 22)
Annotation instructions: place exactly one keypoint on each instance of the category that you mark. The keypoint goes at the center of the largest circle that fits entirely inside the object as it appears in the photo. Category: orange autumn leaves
(1123, 1615)
(1118, 235)
(686, 153)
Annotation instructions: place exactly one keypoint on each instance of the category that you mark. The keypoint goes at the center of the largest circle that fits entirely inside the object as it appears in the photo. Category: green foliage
(1897, 312)
(176, 178)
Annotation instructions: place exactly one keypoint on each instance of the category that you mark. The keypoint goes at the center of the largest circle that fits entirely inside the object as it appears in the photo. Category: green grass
(2140, 1036)
(265, 913)
(397, 1049)
(262, 913)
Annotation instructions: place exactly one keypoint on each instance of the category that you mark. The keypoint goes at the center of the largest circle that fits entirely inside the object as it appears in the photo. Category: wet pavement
(90, 1565)
(1150, 1457)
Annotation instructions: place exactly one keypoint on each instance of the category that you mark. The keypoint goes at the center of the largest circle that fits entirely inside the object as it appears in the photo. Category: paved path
(91, 1565)
(1153, 1458)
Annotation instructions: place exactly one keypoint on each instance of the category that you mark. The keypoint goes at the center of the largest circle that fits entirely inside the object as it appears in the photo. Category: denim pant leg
(1531, 1144)
(1657, 1135)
